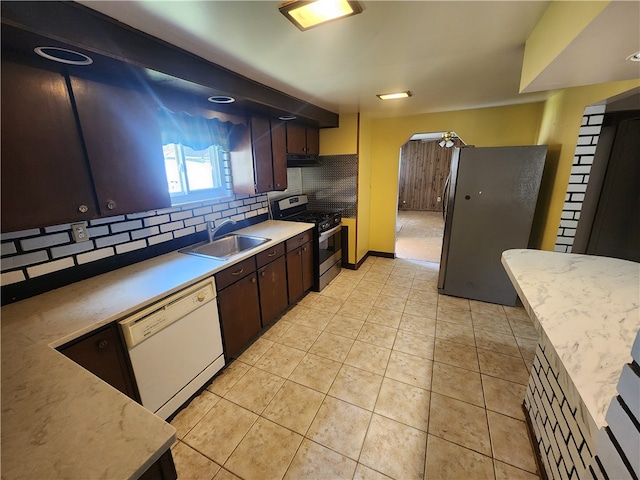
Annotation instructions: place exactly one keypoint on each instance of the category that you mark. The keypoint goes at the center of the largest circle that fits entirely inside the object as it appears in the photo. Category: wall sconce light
(447, 140)
(306, 15)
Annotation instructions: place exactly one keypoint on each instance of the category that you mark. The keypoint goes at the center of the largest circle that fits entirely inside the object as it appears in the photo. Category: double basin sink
(225, 247)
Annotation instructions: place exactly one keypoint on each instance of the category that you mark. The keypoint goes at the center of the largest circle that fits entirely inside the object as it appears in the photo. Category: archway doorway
(425, 161)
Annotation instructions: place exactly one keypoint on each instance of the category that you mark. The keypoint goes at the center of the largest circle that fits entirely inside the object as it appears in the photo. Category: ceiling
(451, 55)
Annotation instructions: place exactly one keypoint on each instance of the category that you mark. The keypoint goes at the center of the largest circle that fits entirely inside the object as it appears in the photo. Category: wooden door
(272, 280)
(122, 137)
(424, 168)
(296, 138)
(313, 141)
(307, 266)
(279, 153)
(294, 275)
(103, 354)
(262, 154)
(239, 306)
(45, 177)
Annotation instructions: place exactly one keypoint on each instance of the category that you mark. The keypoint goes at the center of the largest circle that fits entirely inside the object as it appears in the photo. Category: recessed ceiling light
(221, 99)
(63, 55)
(286, 118)
(305, 15)
(392, 96)
(634, 57)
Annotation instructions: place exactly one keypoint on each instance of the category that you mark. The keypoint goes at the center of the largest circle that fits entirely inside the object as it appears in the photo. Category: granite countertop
(587, 308)
(58, 419)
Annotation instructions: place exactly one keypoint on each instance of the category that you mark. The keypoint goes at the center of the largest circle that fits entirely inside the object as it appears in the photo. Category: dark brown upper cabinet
(302, 139)
(75, 149)
(259, 165)
(45, 178)
(124, 146)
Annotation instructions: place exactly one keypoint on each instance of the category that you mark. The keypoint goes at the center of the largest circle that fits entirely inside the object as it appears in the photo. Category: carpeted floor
(419, 235)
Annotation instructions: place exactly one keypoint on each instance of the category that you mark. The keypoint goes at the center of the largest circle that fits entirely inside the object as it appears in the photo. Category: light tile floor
(378, 376)
(419, 235)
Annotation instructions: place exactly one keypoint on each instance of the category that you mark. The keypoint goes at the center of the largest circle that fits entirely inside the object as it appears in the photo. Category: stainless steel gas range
(327, 235)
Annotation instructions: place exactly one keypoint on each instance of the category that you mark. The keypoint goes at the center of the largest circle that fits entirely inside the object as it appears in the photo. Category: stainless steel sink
(225, 247)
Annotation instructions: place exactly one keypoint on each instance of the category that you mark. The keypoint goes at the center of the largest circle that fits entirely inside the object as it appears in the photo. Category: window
(194, 175)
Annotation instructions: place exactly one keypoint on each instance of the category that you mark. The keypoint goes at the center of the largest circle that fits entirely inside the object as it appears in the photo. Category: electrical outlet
(80, 233)
(439, 199)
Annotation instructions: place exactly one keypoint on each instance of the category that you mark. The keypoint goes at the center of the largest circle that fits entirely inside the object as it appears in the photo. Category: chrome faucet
(212, 229)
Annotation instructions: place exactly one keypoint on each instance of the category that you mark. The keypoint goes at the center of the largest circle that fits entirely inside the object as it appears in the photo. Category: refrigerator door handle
(445, 194)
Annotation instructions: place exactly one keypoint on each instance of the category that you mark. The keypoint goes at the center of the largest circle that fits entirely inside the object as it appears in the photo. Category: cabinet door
(296, 138)
(279, 150)
(313, 141)
(45, 178)
(122, 137)
(103, 354)
(262, 154)
(294, 275)
(239, 306)
(307, 266)
(272, 280)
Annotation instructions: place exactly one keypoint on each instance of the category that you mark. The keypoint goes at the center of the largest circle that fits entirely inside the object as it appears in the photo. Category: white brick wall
(563, 443)
(582, 160)
(36, 252)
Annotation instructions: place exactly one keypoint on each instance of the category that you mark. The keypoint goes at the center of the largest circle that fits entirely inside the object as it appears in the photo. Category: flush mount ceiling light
(447, 140)
(635, 57)
(62, 55)
(306, 15)
(393, 96)
(286, 118)
(221, 99)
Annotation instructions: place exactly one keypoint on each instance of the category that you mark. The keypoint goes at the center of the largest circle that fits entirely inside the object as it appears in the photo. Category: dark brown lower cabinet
(163, 469)
(272, 280)
(239, 306)
(299, 271)
(103, 354)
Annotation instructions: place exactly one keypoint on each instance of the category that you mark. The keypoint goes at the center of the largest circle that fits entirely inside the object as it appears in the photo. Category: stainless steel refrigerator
(489, 203)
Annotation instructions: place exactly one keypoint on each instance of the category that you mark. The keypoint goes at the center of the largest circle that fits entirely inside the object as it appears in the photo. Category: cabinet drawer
(270, 255)
(298, 240)
(235, 273)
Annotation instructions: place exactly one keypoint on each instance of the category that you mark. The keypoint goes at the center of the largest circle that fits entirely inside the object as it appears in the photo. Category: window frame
(217, 157)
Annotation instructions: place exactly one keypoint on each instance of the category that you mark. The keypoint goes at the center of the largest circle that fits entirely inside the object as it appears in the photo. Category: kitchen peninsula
(59, 420)
(586, 309)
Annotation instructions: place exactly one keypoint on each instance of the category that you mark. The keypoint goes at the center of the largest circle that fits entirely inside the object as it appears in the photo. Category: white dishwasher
(175, 347)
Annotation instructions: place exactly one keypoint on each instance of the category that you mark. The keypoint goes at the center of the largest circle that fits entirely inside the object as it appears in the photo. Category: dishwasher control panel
(146, 323)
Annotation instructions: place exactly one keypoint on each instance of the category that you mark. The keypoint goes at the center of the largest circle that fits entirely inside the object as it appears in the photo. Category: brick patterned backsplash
(36, 252)
(618, 444)
(579, 178)
(563, 440)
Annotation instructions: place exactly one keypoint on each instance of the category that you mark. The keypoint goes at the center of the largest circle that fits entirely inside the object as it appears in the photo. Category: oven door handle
(328, 233)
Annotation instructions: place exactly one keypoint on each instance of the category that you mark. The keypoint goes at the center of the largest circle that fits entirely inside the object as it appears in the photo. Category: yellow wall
(342, 140)
(512, 125)
(561, 120)
(561, 23)
(555, 123)
(364, 186)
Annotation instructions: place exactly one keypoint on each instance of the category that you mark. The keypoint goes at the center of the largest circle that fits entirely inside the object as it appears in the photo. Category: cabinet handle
(102, 344)
(83, 209)
(271, 254)
(299, 253)
(201, 297)
(111, 204)
(253, 279)
(263, 273)
(235, 274)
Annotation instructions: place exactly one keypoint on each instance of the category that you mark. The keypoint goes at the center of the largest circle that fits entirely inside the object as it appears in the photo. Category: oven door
(329, 256)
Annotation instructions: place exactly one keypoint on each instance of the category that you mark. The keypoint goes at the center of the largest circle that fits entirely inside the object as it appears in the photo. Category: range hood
(302, 161)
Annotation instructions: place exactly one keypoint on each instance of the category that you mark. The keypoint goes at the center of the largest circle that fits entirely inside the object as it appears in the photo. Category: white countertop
(587, 308)
(59, 420)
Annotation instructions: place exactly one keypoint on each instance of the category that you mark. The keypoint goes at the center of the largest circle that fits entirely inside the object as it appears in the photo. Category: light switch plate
(80, 233)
